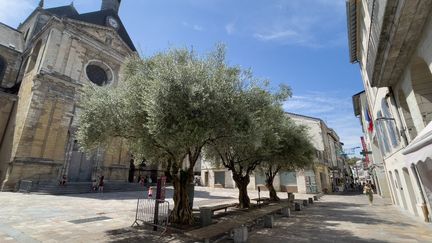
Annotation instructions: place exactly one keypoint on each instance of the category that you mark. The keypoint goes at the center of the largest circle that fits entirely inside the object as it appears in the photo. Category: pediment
(104, 35)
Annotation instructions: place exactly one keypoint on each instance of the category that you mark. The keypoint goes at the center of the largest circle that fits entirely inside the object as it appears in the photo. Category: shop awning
(420, 148)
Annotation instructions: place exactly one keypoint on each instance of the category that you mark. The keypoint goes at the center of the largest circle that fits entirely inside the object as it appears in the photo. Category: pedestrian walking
(150, 192)
(101, 184)
(367, 189)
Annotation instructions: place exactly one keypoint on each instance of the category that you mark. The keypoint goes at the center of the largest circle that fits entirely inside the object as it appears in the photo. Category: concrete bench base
(286, 212)
(240, 234)
(268, 221)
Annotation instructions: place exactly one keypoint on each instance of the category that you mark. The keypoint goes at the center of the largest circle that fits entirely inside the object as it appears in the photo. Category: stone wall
(12, 60)
(48, 102)
(7, 108)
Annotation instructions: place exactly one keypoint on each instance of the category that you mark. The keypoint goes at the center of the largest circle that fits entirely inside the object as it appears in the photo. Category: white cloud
(230, 28)
(198, 27)
(278, 35)
(291, 23)
(193, 26)
(12, 12)
(331, 108)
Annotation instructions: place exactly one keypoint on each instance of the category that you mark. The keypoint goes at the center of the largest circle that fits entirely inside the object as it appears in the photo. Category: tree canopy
(170, 106)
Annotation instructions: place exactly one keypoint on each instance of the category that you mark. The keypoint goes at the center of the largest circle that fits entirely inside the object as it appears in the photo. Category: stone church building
(44, 64)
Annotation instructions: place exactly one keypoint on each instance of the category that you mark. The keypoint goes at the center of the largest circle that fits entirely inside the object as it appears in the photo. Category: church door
(81, 166)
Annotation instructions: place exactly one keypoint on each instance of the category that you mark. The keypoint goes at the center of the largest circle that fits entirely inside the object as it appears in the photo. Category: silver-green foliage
(169, 106)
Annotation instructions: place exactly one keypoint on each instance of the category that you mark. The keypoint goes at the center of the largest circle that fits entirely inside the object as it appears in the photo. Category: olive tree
(290, 149)
(168, 107)
(248, 132)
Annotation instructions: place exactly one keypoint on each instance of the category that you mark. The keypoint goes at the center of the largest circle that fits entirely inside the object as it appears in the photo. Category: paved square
(107, 217)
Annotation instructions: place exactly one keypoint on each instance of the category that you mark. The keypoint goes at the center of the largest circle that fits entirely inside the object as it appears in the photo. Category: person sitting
(95, 185)
(63, 180)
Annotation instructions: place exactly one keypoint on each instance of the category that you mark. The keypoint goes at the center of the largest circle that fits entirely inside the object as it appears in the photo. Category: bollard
(305, 202)
(286, 212)
(206, 216)
(310, 200)
(315, 198)
(291, 197)
(297, 206)
(268, 221)
(241, 234)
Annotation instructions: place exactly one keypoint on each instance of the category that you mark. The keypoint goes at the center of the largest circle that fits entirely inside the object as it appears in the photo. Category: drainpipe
(423, 203)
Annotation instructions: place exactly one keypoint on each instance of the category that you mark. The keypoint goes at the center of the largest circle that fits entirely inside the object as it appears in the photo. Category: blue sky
(301, 43)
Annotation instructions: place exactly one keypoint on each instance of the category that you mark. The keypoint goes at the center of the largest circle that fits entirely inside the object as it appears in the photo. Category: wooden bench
(235, 222)
(261, 200)
(206, 212)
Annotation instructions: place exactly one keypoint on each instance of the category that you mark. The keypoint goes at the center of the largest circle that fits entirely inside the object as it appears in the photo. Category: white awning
(420, 148)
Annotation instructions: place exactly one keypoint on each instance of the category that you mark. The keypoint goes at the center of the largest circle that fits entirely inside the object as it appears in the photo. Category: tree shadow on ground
(143, 234)
(141, 194)
(323, 222)
(320, 222)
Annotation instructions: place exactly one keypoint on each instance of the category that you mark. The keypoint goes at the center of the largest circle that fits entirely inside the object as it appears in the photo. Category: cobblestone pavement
(47, 218)
(346, 218)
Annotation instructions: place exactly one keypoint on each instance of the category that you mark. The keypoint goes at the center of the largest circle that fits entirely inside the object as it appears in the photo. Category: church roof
(63, 11)
(100, 17)
(97, 17)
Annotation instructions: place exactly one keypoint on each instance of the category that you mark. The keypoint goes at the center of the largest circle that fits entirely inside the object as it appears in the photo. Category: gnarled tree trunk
(182, 179)
(242, 182)
(272, 192)
(182, 213)
(270, 175)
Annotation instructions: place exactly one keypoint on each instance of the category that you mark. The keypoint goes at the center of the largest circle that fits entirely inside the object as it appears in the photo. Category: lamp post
(352, 152)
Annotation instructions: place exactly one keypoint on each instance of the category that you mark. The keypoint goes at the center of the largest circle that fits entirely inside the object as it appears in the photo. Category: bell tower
(111, 4)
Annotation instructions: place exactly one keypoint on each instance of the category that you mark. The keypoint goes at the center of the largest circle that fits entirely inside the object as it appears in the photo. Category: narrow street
(346, 218)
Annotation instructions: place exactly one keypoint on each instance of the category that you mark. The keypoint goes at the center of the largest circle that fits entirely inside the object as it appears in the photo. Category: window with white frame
(382, 136)
(389, 122)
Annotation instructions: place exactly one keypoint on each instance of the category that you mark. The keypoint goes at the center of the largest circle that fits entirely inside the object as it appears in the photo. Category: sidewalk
(346, 218)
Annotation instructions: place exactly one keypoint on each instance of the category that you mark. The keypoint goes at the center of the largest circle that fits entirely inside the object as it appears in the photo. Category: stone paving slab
(44, 218)
(346, 219)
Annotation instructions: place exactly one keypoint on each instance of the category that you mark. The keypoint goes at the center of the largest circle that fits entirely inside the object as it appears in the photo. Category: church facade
(44, 64)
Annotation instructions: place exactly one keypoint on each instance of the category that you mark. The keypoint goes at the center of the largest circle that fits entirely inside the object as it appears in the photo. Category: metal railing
(153, 212)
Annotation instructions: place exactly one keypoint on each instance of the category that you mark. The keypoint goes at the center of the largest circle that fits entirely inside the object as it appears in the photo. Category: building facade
(391, 41)
(328, 171)
(44, 64)
(372, 166)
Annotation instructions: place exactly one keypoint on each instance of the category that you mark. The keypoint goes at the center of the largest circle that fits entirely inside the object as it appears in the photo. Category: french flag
(369, 120)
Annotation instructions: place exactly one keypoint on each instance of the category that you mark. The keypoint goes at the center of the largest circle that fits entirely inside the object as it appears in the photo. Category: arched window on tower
(2, 68)
(34, 56)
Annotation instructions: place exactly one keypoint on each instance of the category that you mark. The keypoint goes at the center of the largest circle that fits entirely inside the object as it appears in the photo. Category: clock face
(113, 22)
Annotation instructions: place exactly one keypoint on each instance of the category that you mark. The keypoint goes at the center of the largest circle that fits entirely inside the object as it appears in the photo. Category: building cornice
(397, 37)
(351, 9)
